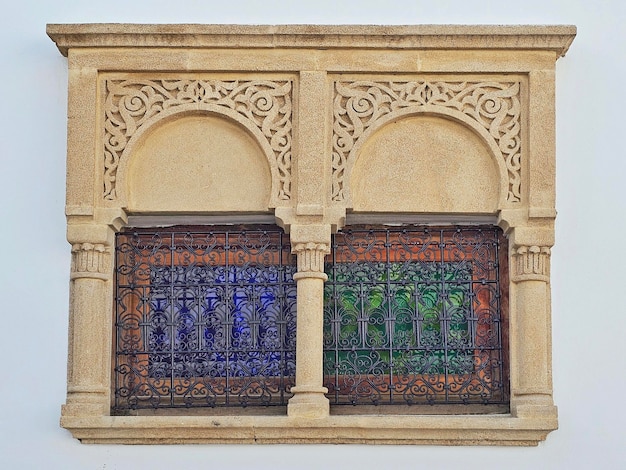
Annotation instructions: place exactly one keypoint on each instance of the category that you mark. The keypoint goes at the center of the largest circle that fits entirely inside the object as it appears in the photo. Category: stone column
(531, 331)
(309, 400)
(88, 387)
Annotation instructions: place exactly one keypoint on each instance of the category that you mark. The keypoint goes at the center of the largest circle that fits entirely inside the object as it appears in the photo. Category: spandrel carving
(130, 104)
(359, 106)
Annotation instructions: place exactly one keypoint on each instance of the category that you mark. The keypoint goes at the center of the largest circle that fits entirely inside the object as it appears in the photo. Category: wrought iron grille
(204, 317)
(416, 316)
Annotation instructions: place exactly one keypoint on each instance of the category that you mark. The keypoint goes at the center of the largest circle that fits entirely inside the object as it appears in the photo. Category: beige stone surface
(314, 125)
(195, 162)
(435, 164)
(554, 38)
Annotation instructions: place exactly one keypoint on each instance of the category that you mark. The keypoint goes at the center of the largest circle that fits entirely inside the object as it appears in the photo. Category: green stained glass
(413, 316)
(390, 310)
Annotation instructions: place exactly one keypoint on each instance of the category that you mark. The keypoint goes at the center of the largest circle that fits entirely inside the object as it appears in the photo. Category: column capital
(310, 259)
(92, 248)
(90, 260)
(531, 263)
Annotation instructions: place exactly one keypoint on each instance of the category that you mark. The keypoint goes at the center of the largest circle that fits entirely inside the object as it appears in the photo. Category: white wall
(588, 260)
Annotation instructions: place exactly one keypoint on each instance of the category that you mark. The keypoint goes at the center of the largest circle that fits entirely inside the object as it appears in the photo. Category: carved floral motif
(494, 106)
(531, 262)
(131, 103)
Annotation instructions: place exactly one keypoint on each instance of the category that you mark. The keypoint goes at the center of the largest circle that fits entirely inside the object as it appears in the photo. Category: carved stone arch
(195, 110)
(262, 107)
(491, 109)
(434, 111)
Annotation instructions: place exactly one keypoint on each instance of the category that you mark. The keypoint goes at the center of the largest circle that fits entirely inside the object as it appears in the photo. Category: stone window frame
(419, 69)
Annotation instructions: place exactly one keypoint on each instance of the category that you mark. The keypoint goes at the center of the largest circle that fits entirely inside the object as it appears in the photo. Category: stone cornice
(106, 35)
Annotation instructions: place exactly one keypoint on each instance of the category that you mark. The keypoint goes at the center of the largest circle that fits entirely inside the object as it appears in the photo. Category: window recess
(204, 317)
(416, 316)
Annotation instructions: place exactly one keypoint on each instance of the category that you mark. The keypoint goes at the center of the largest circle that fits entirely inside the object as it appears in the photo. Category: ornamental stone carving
(90, 260)
(531, 263)
(264, 104)
(362, 105)
(311, 256)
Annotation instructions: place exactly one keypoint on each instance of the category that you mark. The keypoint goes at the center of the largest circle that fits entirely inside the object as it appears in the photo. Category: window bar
(389, 323)
(472, 320)
(145, 313)
(499, 364)
(172, 314)
(282, 306)
(335, 321)
(116, 397)
(228, 320)
(445, 320)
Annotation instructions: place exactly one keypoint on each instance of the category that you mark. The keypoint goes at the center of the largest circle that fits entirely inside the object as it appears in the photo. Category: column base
(84, 409)
(308, 403)
(533, 406)
(86, 401)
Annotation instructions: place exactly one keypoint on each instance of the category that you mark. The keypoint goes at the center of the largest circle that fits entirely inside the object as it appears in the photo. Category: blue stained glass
(240, 323)
(204, 319)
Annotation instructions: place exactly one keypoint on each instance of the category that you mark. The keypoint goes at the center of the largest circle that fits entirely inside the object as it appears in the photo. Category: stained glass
(204, 318)
(414, 316)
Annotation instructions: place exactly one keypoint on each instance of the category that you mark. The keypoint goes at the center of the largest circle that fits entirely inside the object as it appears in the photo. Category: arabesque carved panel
(129, 104)
(359, 105)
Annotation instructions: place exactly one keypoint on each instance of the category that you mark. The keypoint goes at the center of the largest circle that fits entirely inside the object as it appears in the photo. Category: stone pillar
(88, 381)
(531, 331)
(309, 400)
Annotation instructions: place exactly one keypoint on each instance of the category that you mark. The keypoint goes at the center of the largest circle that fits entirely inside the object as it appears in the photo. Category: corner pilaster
(531, 365)
(88, 390)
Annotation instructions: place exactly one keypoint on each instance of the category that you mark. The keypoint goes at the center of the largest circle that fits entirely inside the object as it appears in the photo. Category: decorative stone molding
(425, 37)
(90, 261)
(531, 263)
(130, 104)
(361, 105)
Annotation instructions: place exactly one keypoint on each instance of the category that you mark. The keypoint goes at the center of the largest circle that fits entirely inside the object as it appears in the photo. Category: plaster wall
(589, 196)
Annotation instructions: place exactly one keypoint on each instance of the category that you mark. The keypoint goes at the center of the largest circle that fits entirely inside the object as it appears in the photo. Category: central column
(309, 399)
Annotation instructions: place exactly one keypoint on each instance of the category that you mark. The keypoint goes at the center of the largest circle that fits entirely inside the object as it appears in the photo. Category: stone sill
(523, 37)
(504, 430)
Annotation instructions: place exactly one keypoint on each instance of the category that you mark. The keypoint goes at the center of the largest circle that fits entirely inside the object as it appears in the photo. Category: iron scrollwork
(415, 316)
(204, 318)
